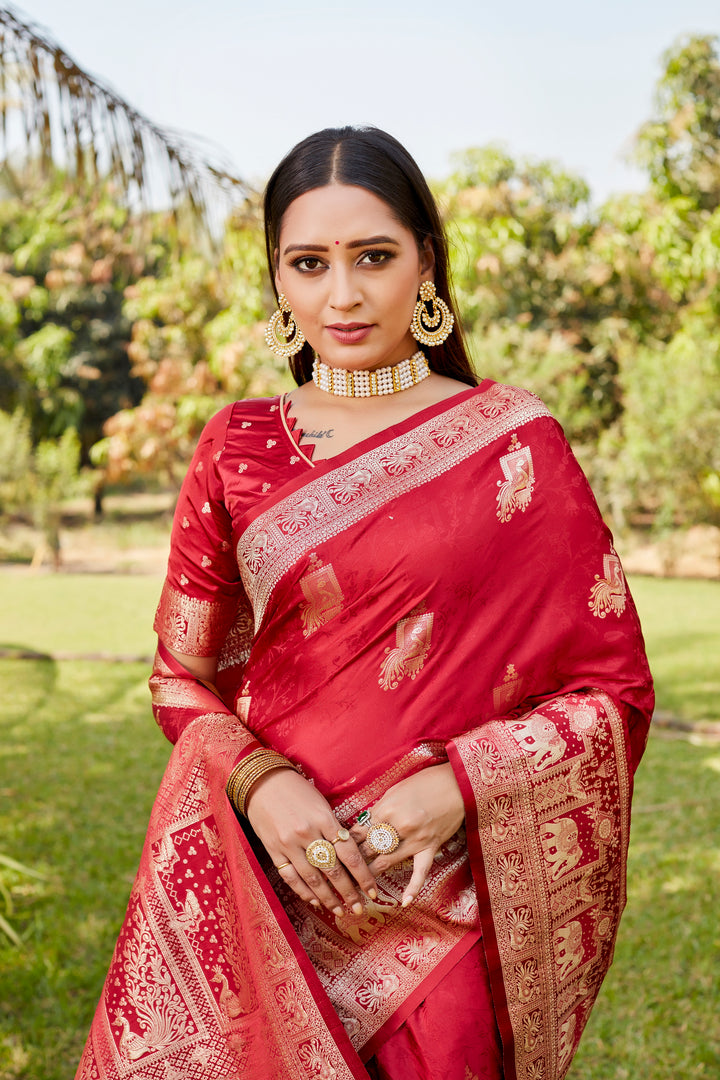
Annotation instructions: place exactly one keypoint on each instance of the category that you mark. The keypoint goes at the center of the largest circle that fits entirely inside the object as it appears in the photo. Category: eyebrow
(353, 244)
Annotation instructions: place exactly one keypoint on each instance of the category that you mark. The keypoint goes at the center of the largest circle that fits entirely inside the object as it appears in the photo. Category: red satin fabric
(445, 590)
(452, 1034)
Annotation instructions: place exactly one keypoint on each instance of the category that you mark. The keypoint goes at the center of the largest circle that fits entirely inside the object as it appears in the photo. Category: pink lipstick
(349, 333)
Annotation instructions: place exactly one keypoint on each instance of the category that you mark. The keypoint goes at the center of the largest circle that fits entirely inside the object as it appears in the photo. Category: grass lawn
(681, 623)
(80, 760)
(114, 613)
(110, 613)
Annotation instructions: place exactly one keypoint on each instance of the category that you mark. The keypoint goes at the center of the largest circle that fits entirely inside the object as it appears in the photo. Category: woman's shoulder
(493, 399)
(240, 415)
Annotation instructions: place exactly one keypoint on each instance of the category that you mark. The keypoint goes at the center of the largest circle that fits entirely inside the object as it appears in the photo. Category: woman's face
(351, 274)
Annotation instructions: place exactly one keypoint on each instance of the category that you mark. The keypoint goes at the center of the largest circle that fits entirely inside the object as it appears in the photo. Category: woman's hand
(287, 813)
(426, 809)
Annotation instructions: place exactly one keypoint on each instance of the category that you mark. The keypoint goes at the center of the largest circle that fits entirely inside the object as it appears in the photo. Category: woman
(406, 686)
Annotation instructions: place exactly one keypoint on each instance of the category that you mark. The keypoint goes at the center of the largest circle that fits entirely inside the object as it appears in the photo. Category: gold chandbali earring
(282, 333)
(432, 319)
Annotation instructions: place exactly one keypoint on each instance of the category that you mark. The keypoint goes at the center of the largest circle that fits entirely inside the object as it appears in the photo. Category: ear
(427, 260)
(276, 266)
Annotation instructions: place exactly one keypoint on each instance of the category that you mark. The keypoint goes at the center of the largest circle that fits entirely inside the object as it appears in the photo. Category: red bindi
(337, 241)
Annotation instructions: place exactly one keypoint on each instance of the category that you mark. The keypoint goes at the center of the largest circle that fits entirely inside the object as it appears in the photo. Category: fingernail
(357, 908)
(372, 893)
(408, 901)
(337, 911)
(314, 903)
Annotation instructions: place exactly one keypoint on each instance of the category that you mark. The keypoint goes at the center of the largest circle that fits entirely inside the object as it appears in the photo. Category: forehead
(339, 212)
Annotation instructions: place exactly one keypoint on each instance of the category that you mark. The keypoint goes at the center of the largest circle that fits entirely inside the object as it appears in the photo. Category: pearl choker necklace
(386, 380)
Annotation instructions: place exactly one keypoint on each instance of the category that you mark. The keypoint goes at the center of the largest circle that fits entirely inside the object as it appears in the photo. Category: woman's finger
(422, 862)
(352, 859)
(293, 880)
(332, 886)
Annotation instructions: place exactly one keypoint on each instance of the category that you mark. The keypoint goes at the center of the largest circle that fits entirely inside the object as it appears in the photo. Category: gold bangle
(249, 770)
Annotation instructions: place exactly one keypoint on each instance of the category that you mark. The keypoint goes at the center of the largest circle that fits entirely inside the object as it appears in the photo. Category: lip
(349, 333)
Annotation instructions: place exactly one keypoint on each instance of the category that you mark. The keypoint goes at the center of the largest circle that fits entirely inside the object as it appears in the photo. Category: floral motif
(609, 593)
(316, 1062)
(502, 819)
(373, 993)
(507, 694)
(511, 869)
(412, 636)
(297, 517)
(532, 1030)
(527, 980)
(414, 951)
(349, 487)
(516, 490)
(402, 459)
(521, 926)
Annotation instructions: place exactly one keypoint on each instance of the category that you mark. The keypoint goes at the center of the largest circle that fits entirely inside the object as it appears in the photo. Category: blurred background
(575, 153)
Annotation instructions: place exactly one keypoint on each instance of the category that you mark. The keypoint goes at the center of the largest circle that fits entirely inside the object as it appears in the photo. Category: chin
(364, 356)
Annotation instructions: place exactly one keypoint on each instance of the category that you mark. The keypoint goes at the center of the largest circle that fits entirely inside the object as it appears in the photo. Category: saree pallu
(443, 591)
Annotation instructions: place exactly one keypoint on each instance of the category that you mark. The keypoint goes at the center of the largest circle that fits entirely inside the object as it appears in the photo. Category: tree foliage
(197, 343)
(610, 313)
(63, 331)
(54, 114)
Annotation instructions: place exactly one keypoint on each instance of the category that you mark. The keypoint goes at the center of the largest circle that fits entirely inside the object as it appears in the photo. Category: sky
(570, 81)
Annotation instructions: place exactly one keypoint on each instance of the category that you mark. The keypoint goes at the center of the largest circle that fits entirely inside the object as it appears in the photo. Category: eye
(376, 258)
(307, 263)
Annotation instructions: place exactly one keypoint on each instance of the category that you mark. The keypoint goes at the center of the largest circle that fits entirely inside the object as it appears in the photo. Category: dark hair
(369, 158)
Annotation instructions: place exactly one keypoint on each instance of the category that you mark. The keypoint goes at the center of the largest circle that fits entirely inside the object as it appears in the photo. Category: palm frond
(55, 115)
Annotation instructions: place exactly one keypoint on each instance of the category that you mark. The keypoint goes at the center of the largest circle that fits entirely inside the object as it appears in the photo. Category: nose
(344, 293)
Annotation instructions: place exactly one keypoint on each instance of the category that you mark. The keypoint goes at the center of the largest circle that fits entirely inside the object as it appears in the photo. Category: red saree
(445, 590)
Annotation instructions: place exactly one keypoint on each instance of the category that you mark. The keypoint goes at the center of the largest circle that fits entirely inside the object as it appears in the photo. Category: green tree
(63, 333)
(197, 343)
(54, 114)
(680, 145)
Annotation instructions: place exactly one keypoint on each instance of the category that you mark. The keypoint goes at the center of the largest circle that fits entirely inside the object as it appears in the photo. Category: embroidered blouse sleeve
(202, 590)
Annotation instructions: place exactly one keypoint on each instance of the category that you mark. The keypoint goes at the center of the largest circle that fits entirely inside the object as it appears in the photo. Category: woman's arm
(287, 812)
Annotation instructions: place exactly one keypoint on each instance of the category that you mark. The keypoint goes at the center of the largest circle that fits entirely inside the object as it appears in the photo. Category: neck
(371, 383)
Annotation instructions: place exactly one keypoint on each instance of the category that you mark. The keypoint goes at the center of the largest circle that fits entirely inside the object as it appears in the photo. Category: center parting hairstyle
(369, 158)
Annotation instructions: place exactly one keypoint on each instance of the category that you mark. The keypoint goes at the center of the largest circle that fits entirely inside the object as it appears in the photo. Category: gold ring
(321, 854)
(343, 834)
(283, 865)
(382, 838)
